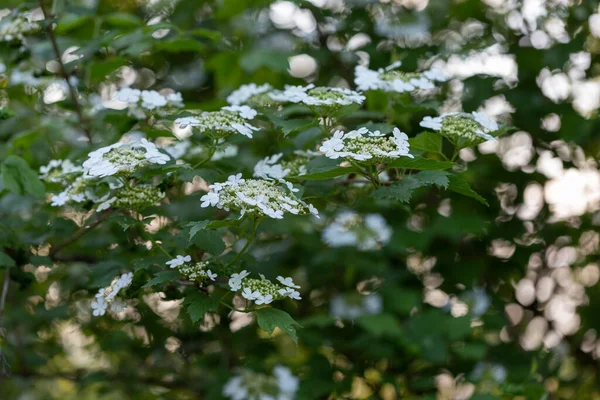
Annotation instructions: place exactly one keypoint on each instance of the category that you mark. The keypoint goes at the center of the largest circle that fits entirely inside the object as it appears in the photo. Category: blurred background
(496, 302)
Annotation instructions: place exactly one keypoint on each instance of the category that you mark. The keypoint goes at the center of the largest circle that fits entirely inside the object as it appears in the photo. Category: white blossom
(122, 158)
(363, 145)
(179, 260)
(151, 99)
(366, 233)
(245, 92)
(257, 196)
(99, 307)
(463, 128)
(318, 96)
(390, 80)
(289, 282)
(222, 123)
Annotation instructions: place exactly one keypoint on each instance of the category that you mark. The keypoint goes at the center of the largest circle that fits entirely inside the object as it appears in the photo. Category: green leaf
(324, 173)
(400, 191)
(206, 33)
(70, 22)
(99, 70)
(20, 179)
(124, 20)
(420, 163)
(432, 177)
(6, 260)
(270, 318)
(198, 304)
(181, 45)
(427, 141)
(472, 351)
(162, 277)
(209, 241)
(124, 221)
(196, 227)
(458, 184)
(380, 325)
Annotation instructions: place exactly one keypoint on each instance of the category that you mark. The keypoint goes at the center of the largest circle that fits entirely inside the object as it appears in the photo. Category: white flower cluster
(122, 158)
(248, 94)
(352, 306)
(59, 170)
(365, 145)
(473, 128)
(108, 295)
(263, 291)
(348, 228)
(142, 102)
(222, 123)
(330, 97)
(14, 27)
(273, 167)
(256, 196)
(250, 385)
(390, 80)
(197, 272)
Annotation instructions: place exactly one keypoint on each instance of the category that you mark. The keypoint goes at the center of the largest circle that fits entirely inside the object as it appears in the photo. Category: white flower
(261, 197)
(286, 381)
(179, 260)
(59, 199)
(268, 299)
(389, 80)
(351, 229)
(245, 92)
(125, 280)
(485, 122)
(432, 123)
(151, 99)
(121, 157)
(318, 96)
(99, 307)
(363, 145)
(210, 275)
(128, 95)
(244, 111)
(222, 123)
(248, 294)
(334, 145)
(117, 305)
(435, 74)
(289, 282)
(235, 280)
(105, 205)
(209, 199)
(463, 128)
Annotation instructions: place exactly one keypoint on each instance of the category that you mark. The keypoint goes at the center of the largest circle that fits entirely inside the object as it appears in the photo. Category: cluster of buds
(463, 129)
(195, 272)
(391, 80)
(277, 167)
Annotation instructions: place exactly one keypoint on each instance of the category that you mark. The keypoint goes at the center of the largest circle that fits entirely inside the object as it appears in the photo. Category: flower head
(367, 146)
(256, 196)
(391, 80)
(121, 158)
(222, 123)
(463, 129)
(325, 99)
(249, 94)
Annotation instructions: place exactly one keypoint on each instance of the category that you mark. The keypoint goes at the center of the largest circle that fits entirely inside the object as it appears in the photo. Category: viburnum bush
(289, 200)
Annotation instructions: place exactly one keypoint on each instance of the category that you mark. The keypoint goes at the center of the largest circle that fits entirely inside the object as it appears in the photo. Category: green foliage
(270, 318)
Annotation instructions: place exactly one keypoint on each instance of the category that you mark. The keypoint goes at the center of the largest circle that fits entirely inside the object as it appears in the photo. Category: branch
(63, 72)
(79, 233)
(4, 291)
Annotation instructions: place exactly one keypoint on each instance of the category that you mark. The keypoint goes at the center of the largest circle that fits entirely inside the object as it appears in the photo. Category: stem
(455, 154)
(4, 294)
(80, 233)
(64, 73)
(248, 242)
(211, 152)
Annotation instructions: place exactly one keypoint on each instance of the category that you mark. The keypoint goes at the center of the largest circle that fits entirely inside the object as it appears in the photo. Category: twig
(63, 71)
(80, 233)
(248, 242)
(4, 291)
